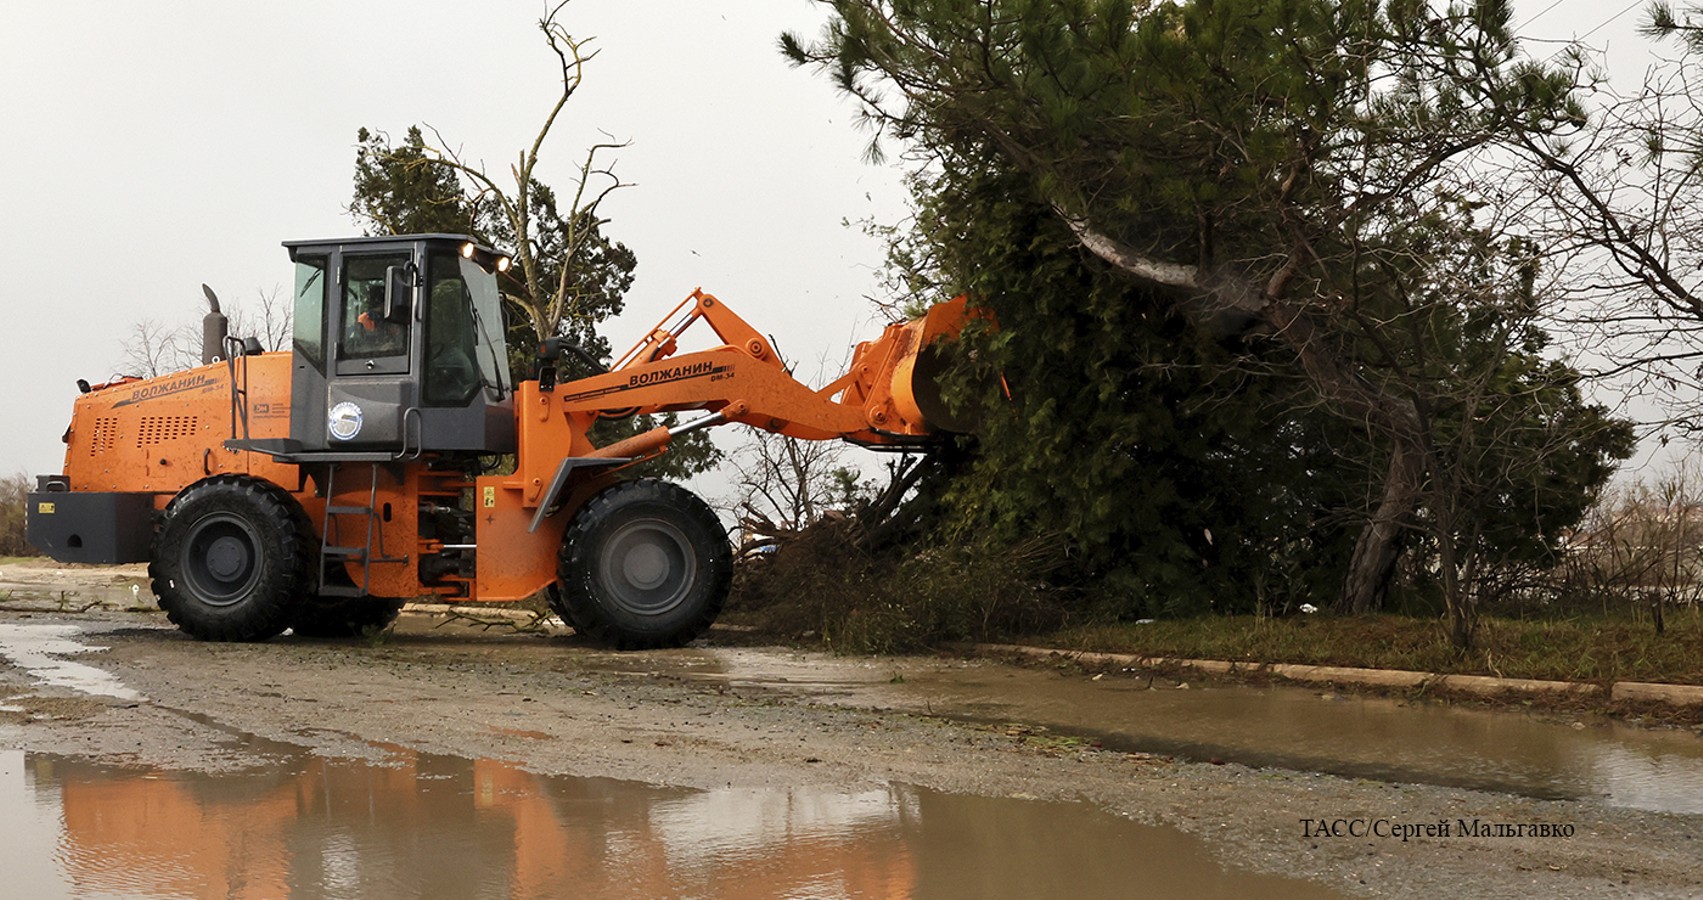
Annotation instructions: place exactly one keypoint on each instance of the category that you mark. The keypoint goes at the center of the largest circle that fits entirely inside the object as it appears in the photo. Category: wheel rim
(648, 566)
(221, 559)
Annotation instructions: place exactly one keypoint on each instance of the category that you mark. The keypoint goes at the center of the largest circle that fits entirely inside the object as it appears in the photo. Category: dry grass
(1596, 649)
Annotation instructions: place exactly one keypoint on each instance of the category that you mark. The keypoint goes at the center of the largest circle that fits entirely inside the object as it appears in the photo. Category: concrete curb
(1481, 685)
(1676, 694)
(1490, 685)
(1346, 675)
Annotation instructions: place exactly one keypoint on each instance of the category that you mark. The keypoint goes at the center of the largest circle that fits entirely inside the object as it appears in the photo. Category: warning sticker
(490, 498)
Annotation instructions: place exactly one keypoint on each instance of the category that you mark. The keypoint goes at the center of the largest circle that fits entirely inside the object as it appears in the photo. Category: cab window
(366, 335)
(309, 310)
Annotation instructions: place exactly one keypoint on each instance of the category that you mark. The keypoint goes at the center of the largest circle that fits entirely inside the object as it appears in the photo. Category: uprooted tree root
(823, 584)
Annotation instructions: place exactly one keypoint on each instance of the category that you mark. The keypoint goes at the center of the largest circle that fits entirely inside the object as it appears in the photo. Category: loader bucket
(916, 377)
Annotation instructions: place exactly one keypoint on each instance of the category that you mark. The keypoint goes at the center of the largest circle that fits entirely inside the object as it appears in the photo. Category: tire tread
(261, 617)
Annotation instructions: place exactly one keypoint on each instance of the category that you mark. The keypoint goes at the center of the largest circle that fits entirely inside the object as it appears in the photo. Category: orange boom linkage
(317, 490)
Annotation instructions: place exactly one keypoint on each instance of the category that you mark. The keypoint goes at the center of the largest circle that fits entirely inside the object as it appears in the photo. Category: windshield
(462, 347)
(488, 323)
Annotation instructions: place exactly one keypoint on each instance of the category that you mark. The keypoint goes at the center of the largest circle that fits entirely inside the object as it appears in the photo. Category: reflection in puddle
(438, 826)
(38, 650)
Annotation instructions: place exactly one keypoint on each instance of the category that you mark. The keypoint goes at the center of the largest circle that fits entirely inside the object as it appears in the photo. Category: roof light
(468, 249)
(503, 263)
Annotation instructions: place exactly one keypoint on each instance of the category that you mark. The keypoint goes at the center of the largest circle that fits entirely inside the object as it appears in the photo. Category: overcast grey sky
(148, 147)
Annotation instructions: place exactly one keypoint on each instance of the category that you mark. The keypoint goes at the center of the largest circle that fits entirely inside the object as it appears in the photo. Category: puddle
(1363, 737)
(1304, 729)
(439, 826)
(40, 651)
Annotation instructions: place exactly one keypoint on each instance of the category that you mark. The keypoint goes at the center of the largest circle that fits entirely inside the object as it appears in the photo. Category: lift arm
(884, 399)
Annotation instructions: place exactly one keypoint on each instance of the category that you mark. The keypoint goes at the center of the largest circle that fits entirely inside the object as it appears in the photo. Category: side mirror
(399, 284)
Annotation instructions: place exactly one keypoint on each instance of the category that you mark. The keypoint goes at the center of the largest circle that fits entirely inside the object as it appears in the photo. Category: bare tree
(1626, 231)
(1642, 545)
(547, 242)
(269, 320)
(153, 349)
(784, 485)
(14, 492)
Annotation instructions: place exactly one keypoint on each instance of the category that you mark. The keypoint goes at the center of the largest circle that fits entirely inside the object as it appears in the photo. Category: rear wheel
(230, 560)
(644, 564)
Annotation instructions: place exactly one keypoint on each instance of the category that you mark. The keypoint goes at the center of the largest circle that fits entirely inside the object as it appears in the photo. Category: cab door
(372, 389)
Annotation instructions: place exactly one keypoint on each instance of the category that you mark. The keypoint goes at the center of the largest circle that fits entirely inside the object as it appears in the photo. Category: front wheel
(230, 560)
(644, 564)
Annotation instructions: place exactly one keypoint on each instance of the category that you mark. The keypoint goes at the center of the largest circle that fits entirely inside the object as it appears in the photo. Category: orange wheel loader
(319, 489)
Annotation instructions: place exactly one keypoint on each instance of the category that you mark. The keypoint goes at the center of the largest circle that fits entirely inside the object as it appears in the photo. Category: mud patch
(30, 708)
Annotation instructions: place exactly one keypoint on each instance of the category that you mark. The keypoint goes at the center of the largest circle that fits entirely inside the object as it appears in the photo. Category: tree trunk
(1375, 551)
(1210, 297)
(1460, 602)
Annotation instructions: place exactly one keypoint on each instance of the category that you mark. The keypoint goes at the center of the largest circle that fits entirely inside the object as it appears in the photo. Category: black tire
(644, 564)
(343, 617)
(230, 560)
(322, 616)
(557, 598)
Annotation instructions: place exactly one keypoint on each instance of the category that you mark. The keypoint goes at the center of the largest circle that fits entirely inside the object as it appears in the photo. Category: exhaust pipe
(214, 328)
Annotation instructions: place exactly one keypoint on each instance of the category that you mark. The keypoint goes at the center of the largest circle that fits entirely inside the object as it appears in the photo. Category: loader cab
(398, 347)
